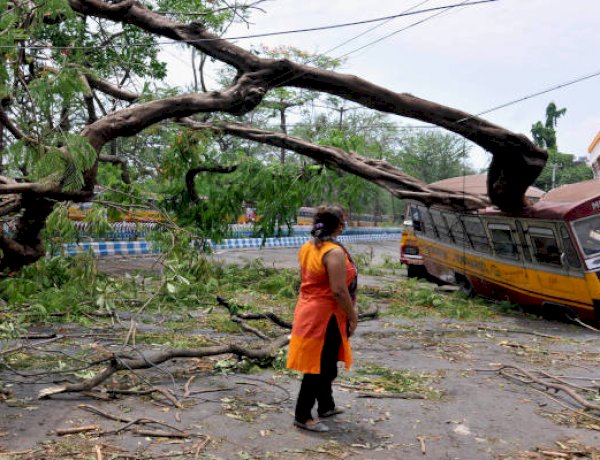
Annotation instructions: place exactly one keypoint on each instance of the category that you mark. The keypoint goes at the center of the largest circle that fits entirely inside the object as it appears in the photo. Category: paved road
(374, 253)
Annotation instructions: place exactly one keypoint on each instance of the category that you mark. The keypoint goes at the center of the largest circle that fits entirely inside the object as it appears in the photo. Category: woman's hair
(326, 221)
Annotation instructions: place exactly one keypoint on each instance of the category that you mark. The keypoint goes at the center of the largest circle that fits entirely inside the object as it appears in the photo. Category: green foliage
(58, 230)
(214, 13)
(279, 192)
(60, 285)
(367, 134)
(383, 379)
(567, 170)
(544, 135)
(434, 155)
(560, 168)
(418, 300)
(65, 165)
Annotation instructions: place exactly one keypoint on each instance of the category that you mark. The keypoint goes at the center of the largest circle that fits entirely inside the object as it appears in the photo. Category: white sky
(473, 58)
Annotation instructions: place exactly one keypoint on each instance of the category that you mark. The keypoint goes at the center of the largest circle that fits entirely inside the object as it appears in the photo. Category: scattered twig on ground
(119, 362)
(167, 394)
(371, 313)
(20, 452)
(527, 377)
(270, 316)
(215, 390)
(402, 395)
(130, 334)
(186, 387)
(248, 328)
(253, 316)
(76, 429)
(200, 446)
(518, 331)
(562, 380)
(587, 326)
(160, 434)
(54, 338)
(40, 336)
(567, 406)
(421, 440)
(117, 418)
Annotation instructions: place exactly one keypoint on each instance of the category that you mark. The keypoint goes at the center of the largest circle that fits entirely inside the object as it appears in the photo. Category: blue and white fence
(141, 247)
(135, 230)
(246, 230)
(111, 248)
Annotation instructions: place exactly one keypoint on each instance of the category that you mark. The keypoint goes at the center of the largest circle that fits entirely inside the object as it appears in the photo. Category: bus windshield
(588, 235)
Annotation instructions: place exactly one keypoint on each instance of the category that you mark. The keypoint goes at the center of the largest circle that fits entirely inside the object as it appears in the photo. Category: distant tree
(566, 170)
(544, 135)
(434, 155)
(561, 168)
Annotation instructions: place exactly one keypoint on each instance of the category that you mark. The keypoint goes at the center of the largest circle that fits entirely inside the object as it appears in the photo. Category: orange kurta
(315, 306)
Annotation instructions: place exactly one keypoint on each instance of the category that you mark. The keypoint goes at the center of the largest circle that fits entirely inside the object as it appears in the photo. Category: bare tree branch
(88, 98)
(118, 161)
(190, 177)
(111, 89)
(13, 128)
(377, 171)
(146, 361)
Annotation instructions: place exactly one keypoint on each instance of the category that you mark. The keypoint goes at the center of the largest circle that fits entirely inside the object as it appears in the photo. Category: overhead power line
(286, 77)
(531, 96)
(414, 24)
(266, 34)
(376, 26)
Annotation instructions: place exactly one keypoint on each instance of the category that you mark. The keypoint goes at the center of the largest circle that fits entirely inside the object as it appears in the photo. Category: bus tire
(416, 271)
(465, 286)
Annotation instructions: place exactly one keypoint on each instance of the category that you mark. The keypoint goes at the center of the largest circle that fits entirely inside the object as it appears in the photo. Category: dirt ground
(477, 413)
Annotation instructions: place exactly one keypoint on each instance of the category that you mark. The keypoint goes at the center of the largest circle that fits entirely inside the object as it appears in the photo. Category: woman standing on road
(324, 319)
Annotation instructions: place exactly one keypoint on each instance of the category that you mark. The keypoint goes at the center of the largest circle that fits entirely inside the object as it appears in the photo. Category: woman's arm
(335, 262)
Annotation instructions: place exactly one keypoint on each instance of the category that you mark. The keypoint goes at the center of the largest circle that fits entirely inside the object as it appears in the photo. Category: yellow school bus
(79, 212)
(547, 255)
(409, 249)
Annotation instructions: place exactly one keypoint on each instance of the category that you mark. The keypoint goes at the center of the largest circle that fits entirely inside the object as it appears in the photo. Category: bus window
(569, 248)
(476, 234)
(428, 227)
(524, 246)
(456, 230)
(414, 218)
(588, 234)
(503, 241)
(544, 246)
(441, 225)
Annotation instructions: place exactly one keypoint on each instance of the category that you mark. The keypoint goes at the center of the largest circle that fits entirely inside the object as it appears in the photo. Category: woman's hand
(352, 325)
(335, 262)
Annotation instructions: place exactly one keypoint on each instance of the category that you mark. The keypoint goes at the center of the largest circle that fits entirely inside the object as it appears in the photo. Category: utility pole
(554, 165)
(341, 124)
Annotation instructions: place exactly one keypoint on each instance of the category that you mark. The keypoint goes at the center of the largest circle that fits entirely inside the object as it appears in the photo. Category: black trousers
(317, 387)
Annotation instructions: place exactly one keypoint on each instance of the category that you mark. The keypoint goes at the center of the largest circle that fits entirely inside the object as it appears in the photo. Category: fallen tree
(516, 160)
